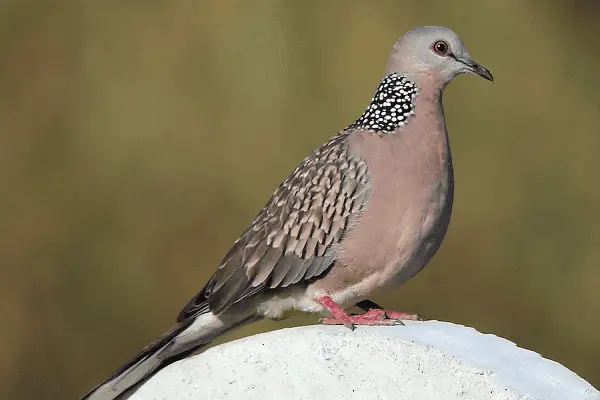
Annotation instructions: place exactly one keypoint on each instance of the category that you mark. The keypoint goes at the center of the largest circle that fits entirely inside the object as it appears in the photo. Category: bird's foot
(374, 316)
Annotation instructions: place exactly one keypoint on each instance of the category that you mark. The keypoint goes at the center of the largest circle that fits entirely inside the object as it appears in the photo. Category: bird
(363, 213)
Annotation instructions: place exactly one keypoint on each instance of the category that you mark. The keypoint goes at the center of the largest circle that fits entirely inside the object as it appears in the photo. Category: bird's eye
(441, 48)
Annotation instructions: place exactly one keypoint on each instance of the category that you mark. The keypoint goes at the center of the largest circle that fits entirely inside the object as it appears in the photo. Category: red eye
(441, 48)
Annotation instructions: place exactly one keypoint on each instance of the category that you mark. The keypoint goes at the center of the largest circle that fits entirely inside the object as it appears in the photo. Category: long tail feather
(183, 339)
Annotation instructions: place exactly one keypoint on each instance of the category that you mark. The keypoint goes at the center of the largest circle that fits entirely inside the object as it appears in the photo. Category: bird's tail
(183, 339)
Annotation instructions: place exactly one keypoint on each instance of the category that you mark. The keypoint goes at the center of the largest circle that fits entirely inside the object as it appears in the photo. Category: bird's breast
(405, 219)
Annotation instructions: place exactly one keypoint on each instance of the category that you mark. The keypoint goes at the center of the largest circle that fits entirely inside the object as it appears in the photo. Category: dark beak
(476, 68)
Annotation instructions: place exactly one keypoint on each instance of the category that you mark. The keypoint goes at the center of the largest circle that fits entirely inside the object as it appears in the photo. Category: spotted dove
(364, 212)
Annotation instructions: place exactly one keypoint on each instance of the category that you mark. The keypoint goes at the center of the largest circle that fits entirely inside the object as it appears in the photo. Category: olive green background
(139, 138)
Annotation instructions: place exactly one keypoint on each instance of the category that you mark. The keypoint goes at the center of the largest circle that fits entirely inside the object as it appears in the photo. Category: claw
(334, 321)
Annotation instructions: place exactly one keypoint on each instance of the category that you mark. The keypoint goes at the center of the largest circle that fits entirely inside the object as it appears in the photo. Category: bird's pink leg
(374, 316)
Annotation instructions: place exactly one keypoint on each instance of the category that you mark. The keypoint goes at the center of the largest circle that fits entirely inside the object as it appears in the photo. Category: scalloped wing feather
(294, 237)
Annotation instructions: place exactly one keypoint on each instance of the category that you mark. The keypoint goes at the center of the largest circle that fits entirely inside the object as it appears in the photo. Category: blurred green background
(139, 138)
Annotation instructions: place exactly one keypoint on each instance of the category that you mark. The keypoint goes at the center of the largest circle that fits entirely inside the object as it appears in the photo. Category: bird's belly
(389, 249)
(416, 249)
(390, 252)
(416, 233)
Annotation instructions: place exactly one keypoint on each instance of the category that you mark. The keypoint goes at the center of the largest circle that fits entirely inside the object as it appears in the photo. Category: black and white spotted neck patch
(391, 106)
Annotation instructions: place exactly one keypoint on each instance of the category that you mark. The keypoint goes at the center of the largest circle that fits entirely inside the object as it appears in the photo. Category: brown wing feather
(294, 236)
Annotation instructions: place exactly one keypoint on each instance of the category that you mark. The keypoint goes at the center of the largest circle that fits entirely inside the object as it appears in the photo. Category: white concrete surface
(422, 360)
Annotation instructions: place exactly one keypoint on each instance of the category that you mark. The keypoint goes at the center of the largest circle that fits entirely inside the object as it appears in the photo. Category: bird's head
(433, 52)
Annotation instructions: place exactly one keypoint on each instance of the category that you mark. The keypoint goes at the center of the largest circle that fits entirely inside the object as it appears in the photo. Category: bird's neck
(395, 104)
(422, 128)
(425, 134)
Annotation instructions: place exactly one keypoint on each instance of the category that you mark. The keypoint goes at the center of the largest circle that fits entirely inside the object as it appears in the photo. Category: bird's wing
(294, 236)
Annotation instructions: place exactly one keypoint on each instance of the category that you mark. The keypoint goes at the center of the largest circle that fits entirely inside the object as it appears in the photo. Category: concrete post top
(419, 361)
